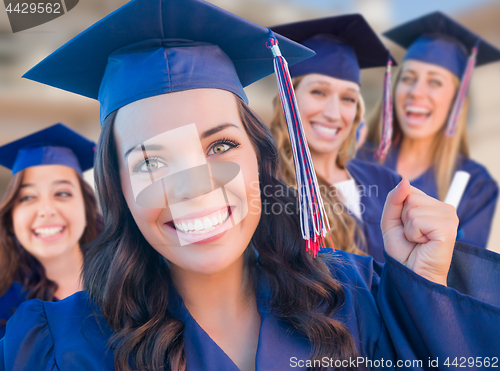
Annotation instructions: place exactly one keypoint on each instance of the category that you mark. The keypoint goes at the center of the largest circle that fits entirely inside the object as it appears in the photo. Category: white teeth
(48, 232)
(411, 109)
(202, 225)
(198, 225)
(207, 223)
(324, 129)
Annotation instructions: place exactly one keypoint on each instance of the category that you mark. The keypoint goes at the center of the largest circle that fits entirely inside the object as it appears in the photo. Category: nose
(46, 209)
(331, 110)
(417, 89)
(188, 184)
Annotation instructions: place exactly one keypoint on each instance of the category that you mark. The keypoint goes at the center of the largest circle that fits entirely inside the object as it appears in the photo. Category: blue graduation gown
(374, 182)
(9, 302)
(478, 203)
(392, 313)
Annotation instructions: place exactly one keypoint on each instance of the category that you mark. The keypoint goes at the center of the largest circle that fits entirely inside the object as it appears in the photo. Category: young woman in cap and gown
(327, 88)
(190, 272)
(429, 139)
(48, 213)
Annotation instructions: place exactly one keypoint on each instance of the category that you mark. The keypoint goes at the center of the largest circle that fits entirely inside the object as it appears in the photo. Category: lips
(416, 115)
(203, 224)
(49, 232)
(197, 220)
(324, 130)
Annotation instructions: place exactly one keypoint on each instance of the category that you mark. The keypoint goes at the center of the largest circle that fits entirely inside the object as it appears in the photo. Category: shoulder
(366, 152)
(68, 333)
(479, 175)
(369, 172)
(351, 269)
(14, 296)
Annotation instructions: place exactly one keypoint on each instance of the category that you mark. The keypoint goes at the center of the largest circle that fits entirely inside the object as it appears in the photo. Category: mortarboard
(437, 39)
(152, 47)
(343, 45)
(55, 145)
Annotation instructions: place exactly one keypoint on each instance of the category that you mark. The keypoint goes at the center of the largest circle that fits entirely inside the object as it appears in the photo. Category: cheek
(22, 218)
(307, 107)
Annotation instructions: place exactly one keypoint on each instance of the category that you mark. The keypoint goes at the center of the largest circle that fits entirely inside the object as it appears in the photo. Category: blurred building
(26, 106)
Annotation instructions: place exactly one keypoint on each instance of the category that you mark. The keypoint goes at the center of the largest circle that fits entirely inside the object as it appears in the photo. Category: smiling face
(49, 212)
(187, 168)
(328, 107)
(423, 97)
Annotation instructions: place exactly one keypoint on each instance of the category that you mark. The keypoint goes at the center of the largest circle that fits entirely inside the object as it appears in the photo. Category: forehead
(332, 82)
(45, 174)
(149, 117)
(424, 67)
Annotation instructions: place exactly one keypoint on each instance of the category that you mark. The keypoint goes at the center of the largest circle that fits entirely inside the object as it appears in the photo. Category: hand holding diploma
(419, 231)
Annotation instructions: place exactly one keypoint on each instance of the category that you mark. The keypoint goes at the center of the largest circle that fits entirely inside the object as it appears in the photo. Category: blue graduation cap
(343, 45)
(152, 47)
(55, 145)
(437, 39)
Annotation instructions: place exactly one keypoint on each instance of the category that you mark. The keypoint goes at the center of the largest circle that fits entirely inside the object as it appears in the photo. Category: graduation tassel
(451, 126)
(313, 220)
(385, 141)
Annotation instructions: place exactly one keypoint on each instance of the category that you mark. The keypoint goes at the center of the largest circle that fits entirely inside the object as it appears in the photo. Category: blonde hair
(445, 150)
(345, 232)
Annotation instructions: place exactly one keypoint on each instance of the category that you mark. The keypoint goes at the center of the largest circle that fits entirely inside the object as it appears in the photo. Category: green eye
(220, 148)
(148, 165)
(152, 165)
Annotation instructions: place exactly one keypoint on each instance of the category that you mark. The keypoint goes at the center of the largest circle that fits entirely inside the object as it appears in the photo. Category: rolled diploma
(457, 188)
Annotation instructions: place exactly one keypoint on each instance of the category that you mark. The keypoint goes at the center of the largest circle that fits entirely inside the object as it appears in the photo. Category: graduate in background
(429, 141)
(191, 272)
(47, 214)
(327, 88)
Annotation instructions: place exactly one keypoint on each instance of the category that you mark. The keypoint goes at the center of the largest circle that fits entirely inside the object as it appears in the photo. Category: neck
(414, 157)
(224, 305)
(419, 150)
(65, 272)
(325, 165)
(222, 294)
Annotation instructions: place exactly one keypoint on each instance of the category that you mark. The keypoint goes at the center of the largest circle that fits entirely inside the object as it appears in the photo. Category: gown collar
(277, 343)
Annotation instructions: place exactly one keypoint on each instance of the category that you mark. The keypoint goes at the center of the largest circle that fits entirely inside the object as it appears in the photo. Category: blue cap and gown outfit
(439, 40)
(344, 45)
(55, 145)
(391, 312)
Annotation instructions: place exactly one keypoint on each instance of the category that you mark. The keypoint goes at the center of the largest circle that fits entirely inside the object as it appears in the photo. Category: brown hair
(345, 232)
(129, 280)
(17, 264)
(445, 150)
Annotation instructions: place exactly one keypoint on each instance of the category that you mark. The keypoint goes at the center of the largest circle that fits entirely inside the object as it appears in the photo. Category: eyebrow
(56, 182)
(319, 82)
(142, 147)
(157, 147)
(216, 129)
(429, 72)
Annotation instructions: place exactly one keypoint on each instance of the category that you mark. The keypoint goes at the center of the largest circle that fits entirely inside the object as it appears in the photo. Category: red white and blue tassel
(313, 219)
(451, 126)
(385, 141)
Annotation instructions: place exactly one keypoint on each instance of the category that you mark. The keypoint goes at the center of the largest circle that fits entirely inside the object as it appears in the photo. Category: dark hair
(16, 263)
(124, 274)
